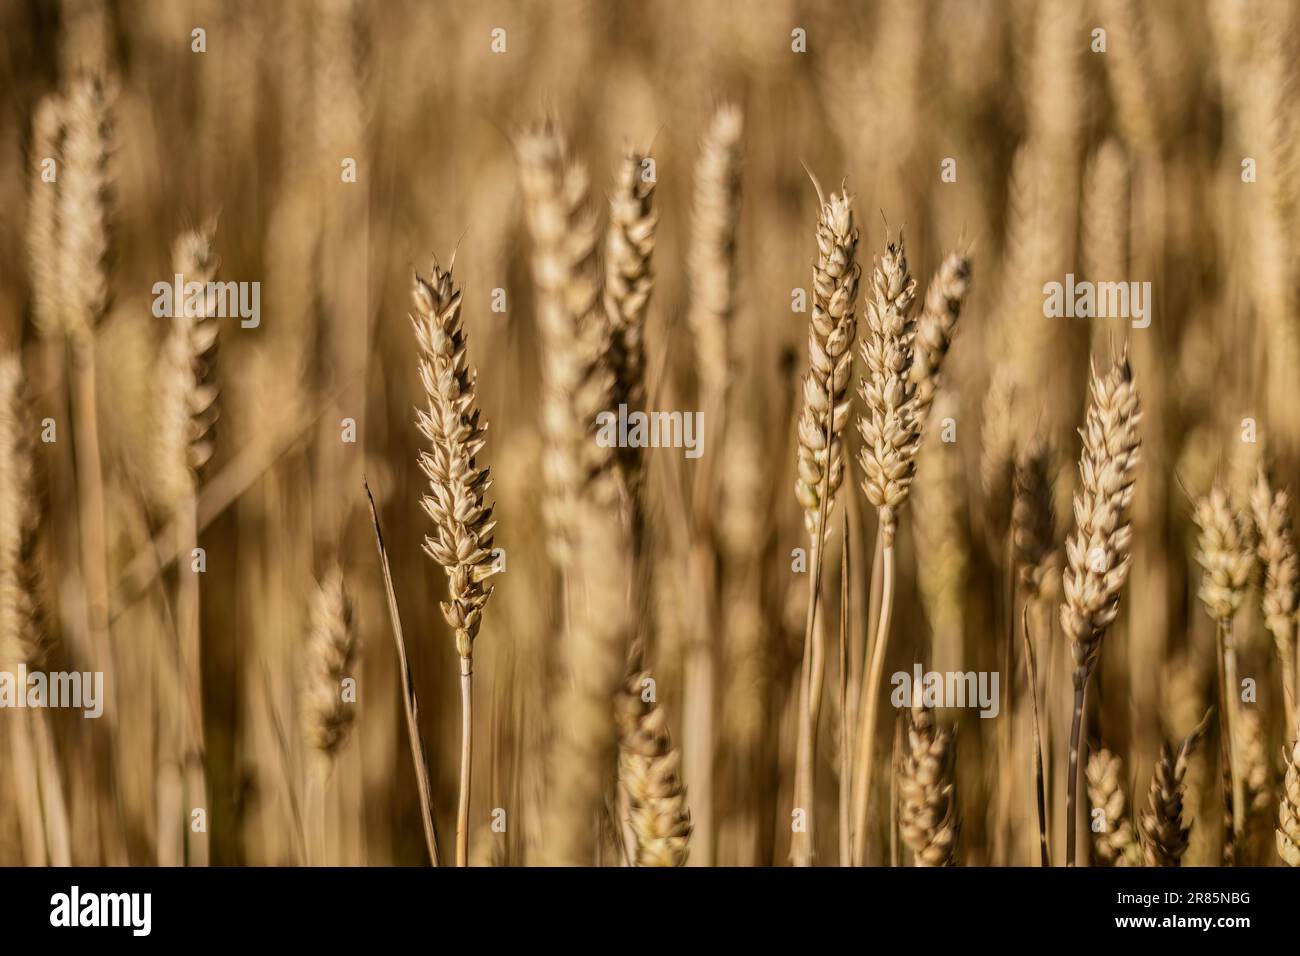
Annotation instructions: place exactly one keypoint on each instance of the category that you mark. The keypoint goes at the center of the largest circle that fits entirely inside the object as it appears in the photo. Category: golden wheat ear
(330, 656)
(927, 812)
(1288, 811)
(649, 768)
(1281, 591)
(1116, 844)
(1164, 838)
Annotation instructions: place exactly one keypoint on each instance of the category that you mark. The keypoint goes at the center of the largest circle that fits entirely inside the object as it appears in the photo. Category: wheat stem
(870, 700)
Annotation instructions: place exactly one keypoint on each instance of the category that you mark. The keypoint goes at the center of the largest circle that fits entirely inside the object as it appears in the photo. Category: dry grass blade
(410, 703)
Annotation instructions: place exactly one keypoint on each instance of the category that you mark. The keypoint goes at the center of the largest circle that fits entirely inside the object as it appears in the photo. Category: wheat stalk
(1097, 553)
(183, 444)
(1281, 594)
(1164, 838)
(741, 525)
(589, 534)
(1117, 843)
(456, 503)
(927, 812)
(998, 453)
(712, 280)
(85, 245)
(327, 717)
(820, 469)
(1227, 557)
(649, 769)
(942, 540)
(890, 438)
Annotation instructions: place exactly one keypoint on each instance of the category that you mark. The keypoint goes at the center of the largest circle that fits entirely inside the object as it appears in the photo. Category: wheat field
(595, 433)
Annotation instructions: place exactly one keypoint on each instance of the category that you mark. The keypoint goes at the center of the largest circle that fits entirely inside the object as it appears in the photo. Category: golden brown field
(515, 433)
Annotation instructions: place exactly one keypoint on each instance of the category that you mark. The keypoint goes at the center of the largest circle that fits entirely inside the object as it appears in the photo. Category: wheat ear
(1098, 553)
(927, 812)
(456, 503)
(1033, 516)
(1164, 838)
(1116, 844)
(650, 770)
(1288, 811)
(329, 658)
(36, 771)
(629, 245)
(49, 128)
(944, 298)
(1281, 595)
(711, 262)
(890, 439)
(327, 717)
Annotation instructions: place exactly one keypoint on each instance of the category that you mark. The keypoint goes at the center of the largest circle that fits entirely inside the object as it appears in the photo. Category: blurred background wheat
(826, 226)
